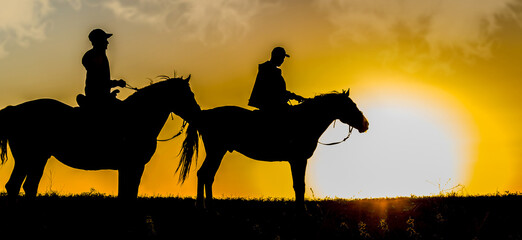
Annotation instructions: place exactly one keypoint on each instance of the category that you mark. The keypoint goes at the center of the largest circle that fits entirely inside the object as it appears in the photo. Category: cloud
(465, 25)
(75, 4)
(24, 21)
(208, 21)
(3, 52)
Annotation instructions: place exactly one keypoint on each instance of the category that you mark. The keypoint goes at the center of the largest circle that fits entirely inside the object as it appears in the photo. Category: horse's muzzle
(365, 125)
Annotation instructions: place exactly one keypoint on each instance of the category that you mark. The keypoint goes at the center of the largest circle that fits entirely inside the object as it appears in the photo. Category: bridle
(175, 135)
(335, 143)
(183, 125)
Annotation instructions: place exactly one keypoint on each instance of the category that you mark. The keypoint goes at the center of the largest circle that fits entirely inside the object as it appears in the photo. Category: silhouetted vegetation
(96, 215)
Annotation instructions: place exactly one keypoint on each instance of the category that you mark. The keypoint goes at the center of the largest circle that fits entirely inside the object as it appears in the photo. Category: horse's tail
(4, 126)
(188, 151)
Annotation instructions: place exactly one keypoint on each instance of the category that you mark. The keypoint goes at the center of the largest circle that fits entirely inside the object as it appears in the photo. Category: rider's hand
(299, 98)
(122, 83)
(113, 93)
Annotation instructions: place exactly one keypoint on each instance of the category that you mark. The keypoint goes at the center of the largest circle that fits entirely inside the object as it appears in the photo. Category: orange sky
(438, 81)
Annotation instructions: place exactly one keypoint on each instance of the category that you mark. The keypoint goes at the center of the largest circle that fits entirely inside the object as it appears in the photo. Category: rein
(128, 86)
(175, 135)
(335, 143)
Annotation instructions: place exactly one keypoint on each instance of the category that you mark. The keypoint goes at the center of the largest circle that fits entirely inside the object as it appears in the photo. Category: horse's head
(349, 113)
(171, 95)
(180, 98)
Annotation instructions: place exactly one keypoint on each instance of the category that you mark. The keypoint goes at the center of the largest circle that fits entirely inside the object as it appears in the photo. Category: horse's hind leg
(34, 174)
(298, 167)
(206, 175)
(19, 150)
(15, 181)
(29, 165)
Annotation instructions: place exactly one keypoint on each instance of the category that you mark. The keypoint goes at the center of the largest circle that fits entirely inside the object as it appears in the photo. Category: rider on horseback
(269, 92)
(98, 83)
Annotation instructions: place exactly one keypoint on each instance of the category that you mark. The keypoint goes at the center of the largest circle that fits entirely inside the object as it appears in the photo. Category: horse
(123, 139)
(289, 136)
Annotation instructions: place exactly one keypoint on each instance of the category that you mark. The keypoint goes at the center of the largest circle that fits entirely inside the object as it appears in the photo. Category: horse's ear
(347, 92)
(188, 78)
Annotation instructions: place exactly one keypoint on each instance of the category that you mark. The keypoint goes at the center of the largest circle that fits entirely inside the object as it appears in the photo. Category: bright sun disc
(411, 148)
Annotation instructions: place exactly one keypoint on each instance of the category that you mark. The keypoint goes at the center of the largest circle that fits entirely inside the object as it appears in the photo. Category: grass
(92, 214)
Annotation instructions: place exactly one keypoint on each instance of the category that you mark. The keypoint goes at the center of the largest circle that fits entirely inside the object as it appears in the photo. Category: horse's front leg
(206, 175)
(129, 179)
(200, 197)
(298, 167)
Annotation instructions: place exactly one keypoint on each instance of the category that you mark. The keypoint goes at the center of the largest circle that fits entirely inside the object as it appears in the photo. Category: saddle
(278, 120)
(99, 116)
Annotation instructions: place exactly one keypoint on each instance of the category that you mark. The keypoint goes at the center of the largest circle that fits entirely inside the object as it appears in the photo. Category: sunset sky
(439, 82)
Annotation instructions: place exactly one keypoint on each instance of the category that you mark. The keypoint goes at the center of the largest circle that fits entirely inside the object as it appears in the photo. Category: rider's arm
(118, 83)
(291, 95)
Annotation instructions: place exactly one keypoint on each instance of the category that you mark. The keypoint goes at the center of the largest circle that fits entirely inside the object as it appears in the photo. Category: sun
(419, 143)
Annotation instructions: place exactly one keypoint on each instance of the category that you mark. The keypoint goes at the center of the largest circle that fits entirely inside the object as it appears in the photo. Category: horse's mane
(324, 99)
(144, 91)
(153, 88)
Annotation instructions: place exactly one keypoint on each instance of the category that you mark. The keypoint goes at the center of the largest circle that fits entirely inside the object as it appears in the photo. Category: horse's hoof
(200, 205)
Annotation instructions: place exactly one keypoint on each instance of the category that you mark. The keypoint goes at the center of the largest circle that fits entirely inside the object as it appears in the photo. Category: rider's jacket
(269, 90)
(98, 82)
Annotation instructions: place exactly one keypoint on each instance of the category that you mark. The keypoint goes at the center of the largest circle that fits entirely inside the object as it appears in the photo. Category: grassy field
(96, 216)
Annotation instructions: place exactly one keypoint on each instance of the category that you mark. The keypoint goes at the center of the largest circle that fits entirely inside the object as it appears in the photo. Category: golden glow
(439, 83)
(419, 143)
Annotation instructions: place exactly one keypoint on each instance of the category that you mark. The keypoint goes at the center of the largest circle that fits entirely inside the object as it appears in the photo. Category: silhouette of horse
(278, 136)
(39, 129)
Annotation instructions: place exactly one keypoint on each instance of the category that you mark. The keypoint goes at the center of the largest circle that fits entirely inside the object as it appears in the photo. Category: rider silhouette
(98, 82)
(269, 92)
